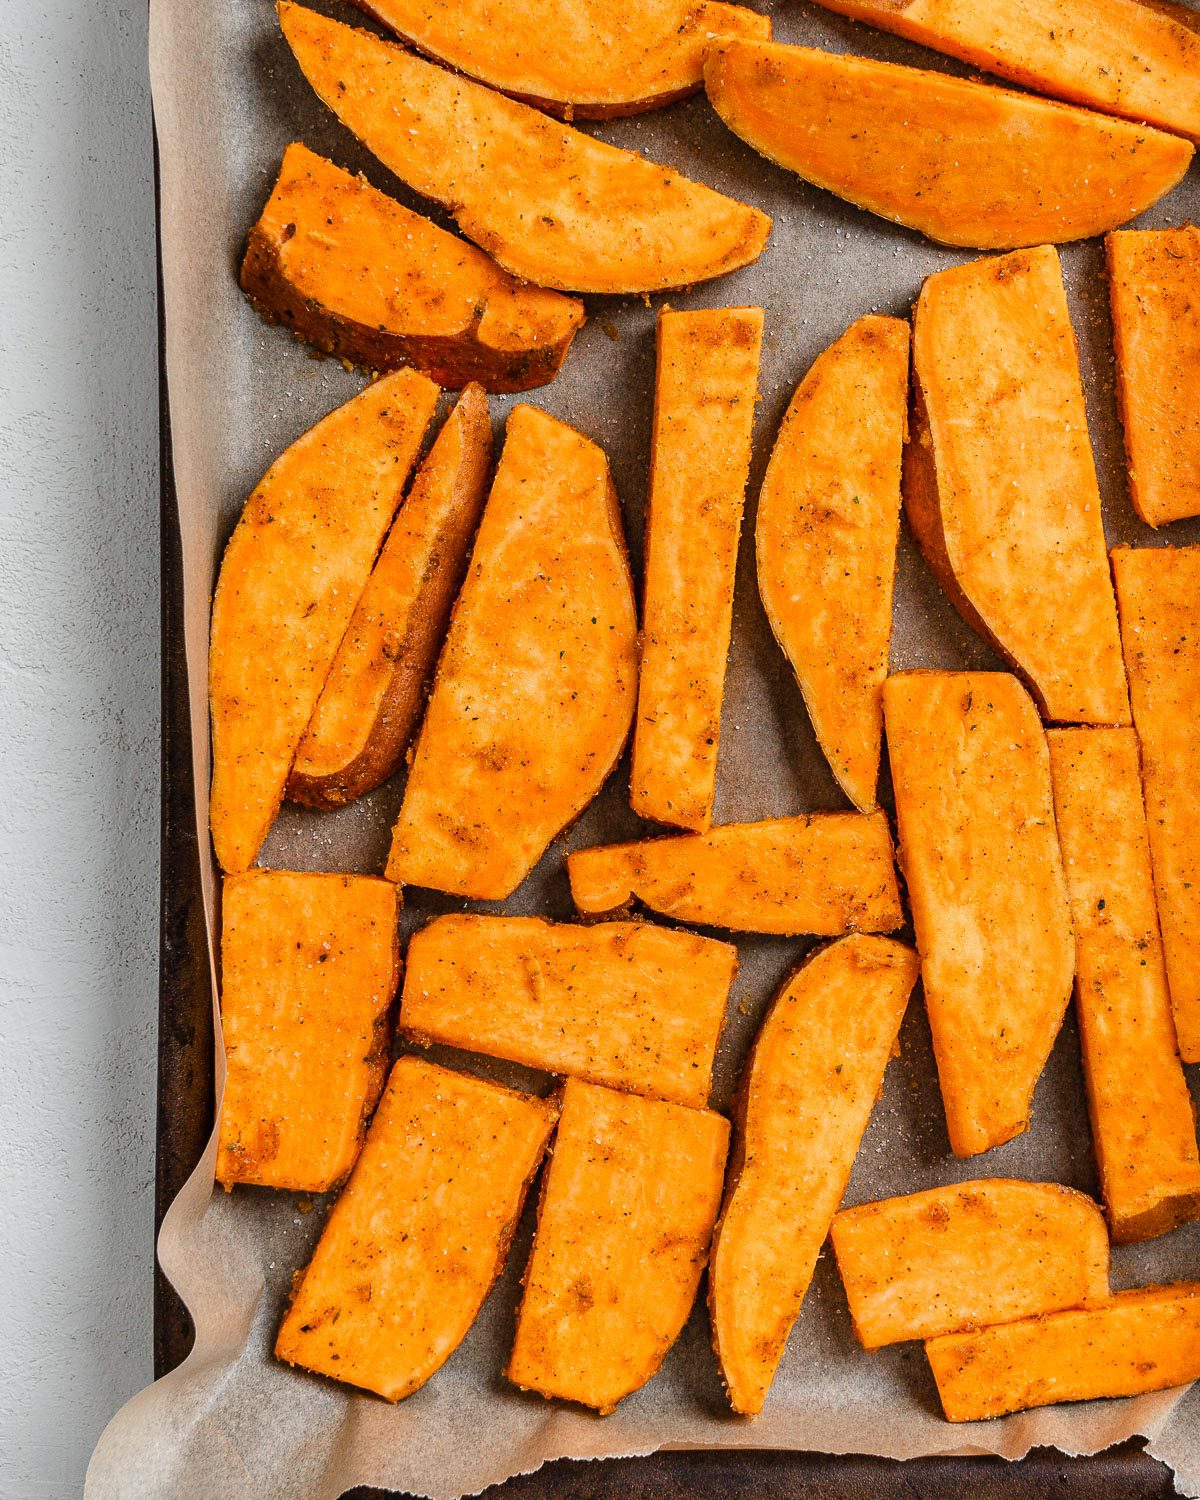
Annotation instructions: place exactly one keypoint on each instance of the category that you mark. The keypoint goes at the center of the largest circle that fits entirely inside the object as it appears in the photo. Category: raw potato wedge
(534, 692)
(1143, 1124)
(373, 696)
(807, 1094)
(310, 966)
(579, 59)
(828, 519)
(1000, 485)
(551, 204)
(1136, 58)
(421, 1232)
(979, 850)
(704, 395)
(967, 1255)
(964, 163)
(627, 1212)
(1158, 591)
(359, 276)
(1154, 287)
(824, 873)
(621, 1003)
(290, 579)
(1144, 1340)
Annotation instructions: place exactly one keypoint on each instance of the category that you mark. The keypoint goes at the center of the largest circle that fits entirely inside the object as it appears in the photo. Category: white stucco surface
(78, 731)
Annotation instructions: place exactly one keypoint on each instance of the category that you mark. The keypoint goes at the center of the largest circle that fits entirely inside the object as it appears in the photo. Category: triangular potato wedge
(828, 519)
(549, 203)
(534, 692)
(965, 163)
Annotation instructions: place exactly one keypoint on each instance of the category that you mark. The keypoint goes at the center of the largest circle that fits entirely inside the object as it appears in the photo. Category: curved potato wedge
(549, 203)
(807, 1094)
(375, 690)
(359, 276)
(825, 539)
(964, 163)
(534, 692)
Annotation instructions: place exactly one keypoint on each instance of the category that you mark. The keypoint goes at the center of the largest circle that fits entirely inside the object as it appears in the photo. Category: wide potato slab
(807, 1094)
(550, 204)
(421, 1232)
(624, 1225)
(1000, 485)
(621, 1003)
(979, 850)
(825, 539)
(534, 691)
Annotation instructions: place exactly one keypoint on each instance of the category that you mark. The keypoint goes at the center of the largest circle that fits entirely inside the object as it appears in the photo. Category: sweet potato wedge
(310, 967)
(1000, 485)
(1158, 591)
(576, 58)
(1144, 1340)
(291, 576)
(978, 847)
(704, 397)
(967, 1255)
(823, 873)
(413, 1245)
(806, 1096)
(1154, 287)
(828, 519)
(1136, 58)
(626, 1216)
(534, 691)
(549, 203)
(965, 163)
(373, 696)
(621, 1003)
(354, 273)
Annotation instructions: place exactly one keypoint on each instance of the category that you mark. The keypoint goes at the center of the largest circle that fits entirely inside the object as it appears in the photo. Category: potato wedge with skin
(980, 854)
(373, 696)
(421, 1232)
(1154, 288)
(310, 967)
(1000, 485)
(290, 579)
(1126, 57)
(825, 539)
(359, 276)
(534, 692)
(625, 1004)
(965, 163)
(1143, 1340)
(1158, 591)
(813, 1077)
(704, 394)
(579, 59)
(626, 1216)
(550, 204)
(1143, 1123)
(824, 873)
(967, 1255)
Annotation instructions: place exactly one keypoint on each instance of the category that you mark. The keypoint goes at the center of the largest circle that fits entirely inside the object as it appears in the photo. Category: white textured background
(78, 731)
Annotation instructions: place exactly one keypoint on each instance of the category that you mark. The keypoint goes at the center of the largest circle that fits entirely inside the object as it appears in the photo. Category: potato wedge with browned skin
(825, 539)
(550, 204)
(806, 1096)
(373, 696)
(823, 873)
(310, 966)
(416, 1240)
(626, 1216)
(355, 273)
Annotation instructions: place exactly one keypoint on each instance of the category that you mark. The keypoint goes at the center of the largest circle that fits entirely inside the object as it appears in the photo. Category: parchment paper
(231, 1422)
